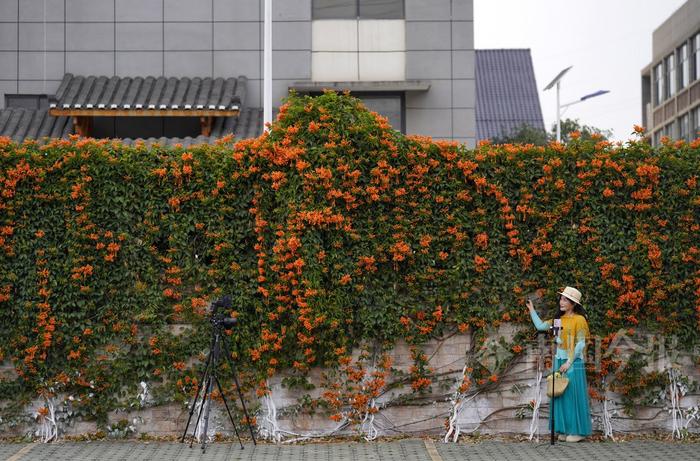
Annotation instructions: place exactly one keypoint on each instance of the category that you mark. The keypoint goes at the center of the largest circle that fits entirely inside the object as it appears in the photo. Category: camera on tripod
(219, 317)
(219, 349)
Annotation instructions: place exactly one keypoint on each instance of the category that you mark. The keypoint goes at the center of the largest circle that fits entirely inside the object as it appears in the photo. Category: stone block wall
(503, 410)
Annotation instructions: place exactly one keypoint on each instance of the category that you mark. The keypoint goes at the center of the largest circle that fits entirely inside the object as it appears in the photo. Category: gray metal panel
(239, 10)
(187, 10)
(139, 10)
(423, 10)
(90, 10)
(292, 65)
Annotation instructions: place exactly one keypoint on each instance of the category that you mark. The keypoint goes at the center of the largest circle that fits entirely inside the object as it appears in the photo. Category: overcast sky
(607, 41)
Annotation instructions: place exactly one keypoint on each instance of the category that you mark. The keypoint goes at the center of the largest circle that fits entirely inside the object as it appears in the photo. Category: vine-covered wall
(330, 232)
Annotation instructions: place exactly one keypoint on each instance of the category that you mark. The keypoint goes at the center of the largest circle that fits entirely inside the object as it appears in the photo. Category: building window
(362, 9)
(695, 42)
(670, 76)
(669, 130)
(695, 123)
(657, 137)
(658, 84)
(683, 128)
(683, 66)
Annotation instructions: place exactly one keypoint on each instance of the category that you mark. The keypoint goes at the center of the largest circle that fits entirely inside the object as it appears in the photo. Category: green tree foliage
(527, 134)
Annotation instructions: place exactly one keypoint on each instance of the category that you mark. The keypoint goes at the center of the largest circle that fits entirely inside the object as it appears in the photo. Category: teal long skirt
(572, 412)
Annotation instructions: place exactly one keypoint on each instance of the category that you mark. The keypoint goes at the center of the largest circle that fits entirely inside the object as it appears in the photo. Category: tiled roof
(20, 124)
(157, 93)
(506, 93)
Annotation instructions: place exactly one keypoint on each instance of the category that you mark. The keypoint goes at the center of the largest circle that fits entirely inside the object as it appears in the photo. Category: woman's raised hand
(530, 306)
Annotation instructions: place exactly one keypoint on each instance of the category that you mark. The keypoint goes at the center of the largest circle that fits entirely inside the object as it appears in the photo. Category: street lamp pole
(267, 66)
(557, 82)
(558, 112)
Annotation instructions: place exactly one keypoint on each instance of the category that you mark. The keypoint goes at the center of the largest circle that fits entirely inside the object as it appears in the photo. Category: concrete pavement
(395, 450)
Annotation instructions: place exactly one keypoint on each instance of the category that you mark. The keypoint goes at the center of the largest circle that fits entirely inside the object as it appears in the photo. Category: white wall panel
(382, 35)
(383, 66)
(334, 67)
(334, 35)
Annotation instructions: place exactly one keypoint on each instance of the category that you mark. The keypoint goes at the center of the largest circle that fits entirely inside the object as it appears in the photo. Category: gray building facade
(671, 82)
(414, 60)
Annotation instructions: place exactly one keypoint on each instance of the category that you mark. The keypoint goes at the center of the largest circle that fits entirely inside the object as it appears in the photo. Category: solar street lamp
(557, 82)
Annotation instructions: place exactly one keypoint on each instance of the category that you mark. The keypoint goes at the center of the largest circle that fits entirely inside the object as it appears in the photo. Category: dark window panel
(381, 9)
(390, 106)
(334, 9)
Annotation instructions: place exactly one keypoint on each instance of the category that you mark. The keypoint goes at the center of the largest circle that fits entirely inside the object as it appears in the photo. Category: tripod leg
(551, 400)
(238, 388)
(210, 386)
(223, 397)
(201, 408)
(196, 396)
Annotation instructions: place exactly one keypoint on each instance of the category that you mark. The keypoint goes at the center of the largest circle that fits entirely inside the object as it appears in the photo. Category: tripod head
(219, 318)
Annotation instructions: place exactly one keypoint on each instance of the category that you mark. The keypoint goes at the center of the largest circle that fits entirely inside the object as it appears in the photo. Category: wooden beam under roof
(58, 112)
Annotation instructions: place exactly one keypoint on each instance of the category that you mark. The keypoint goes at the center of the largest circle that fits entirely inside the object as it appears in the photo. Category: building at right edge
(671, 82)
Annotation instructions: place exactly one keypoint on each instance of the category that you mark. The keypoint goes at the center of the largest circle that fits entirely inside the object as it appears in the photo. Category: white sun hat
(573, 294)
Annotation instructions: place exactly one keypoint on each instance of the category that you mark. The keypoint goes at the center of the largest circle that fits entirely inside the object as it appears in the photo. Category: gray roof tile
(91, 92)
(20, 124)
(506, 93)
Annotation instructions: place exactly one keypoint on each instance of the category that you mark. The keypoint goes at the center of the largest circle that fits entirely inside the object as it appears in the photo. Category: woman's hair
(577, 308)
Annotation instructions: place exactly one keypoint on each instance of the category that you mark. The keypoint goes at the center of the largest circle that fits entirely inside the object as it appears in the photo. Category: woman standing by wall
(572, 415)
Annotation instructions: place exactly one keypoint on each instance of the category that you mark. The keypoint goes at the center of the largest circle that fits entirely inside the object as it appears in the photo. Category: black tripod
(553, 334)
(209, 377)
